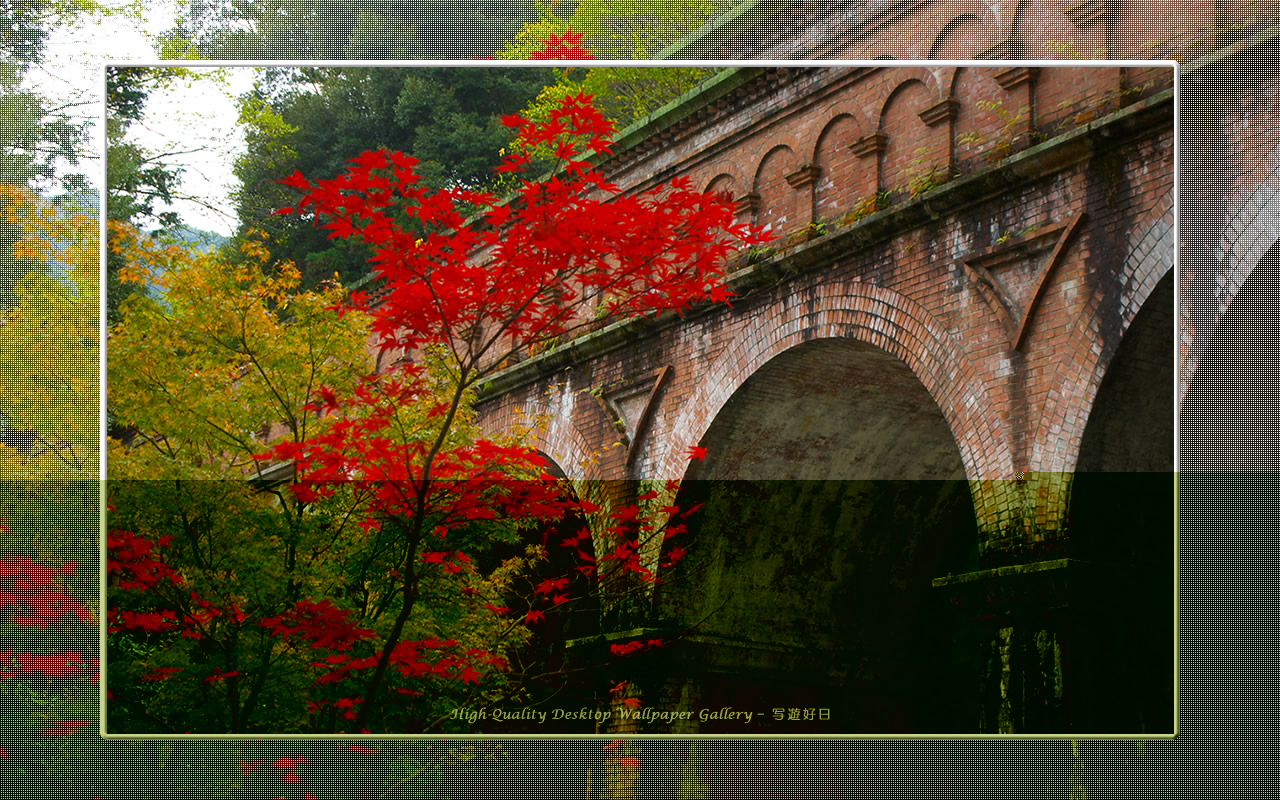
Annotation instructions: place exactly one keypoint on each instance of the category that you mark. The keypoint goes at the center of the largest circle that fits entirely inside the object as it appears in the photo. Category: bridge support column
(1023, 517)
(1022, 623)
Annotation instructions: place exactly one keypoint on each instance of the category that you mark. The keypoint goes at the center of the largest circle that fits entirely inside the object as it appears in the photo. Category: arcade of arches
(939, 438)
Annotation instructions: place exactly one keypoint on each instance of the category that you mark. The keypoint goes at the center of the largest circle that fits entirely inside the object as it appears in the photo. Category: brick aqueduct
(971, 300)
(938, 418)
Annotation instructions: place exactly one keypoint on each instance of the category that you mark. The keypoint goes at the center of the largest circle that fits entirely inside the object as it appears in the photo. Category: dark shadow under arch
(834, 493)
(1122, 535)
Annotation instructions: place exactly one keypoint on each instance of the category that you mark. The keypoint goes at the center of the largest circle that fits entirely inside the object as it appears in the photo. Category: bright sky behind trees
(199, 116)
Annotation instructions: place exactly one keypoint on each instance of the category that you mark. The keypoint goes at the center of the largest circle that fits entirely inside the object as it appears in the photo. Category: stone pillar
(803, 181)
(1022, 517)
(945, 112)
(1020, 621)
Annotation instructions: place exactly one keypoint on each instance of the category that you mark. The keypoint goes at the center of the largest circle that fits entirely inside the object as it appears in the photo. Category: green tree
(312, 120)
(333, 29)
(615, 29)
(226, 357)
(198, 373)
(626, 94)
(139, 185)
(37, 135)
(42, 139)
(48, 349)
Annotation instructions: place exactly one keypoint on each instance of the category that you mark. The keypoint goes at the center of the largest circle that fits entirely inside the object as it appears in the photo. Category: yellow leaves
(31, 248)
(254, 246)
(48, 341)
(223, 348)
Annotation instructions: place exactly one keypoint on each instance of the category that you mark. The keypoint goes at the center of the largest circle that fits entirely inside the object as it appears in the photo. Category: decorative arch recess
(840, 176)
(906, 77)
(727, 177)
(776, 209)
(968, 33)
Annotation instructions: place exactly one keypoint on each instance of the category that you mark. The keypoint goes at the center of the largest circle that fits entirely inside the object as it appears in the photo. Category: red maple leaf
(465, 274)
(550, 585)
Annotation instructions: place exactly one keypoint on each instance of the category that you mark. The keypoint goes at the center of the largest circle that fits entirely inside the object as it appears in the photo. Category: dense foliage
(403, 572)
(312, 120)
(331, 29)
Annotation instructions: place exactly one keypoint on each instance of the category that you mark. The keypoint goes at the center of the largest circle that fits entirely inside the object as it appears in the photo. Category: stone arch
(797, 545)
(841, 176)
(777, 140)
(726, 170)
(905, 76)
(560, 439)
(1120, 510)
(1130, 423)
(562, 442)
(1229, 417)
(842, 108)
(911, 147)
(875, 315)
(1048, 32)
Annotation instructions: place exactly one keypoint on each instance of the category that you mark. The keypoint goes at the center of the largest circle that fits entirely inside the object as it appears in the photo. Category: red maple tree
(483, 278)
(467, 281)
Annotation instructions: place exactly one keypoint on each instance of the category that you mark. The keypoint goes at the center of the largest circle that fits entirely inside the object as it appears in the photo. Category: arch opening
(550, 673)
(834, 493)
(1230, 417)
(1121, 531)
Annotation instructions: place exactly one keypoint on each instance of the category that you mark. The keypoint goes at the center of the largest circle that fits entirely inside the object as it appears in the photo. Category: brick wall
(939, 281)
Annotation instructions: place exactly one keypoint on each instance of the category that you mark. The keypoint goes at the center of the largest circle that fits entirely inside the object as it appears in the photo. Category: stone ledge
(1008, 592)
(970, 578)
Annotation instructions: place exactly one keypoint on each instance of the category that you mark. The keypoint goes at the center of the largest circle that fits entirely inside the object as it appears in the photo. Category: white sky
(199, 117)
